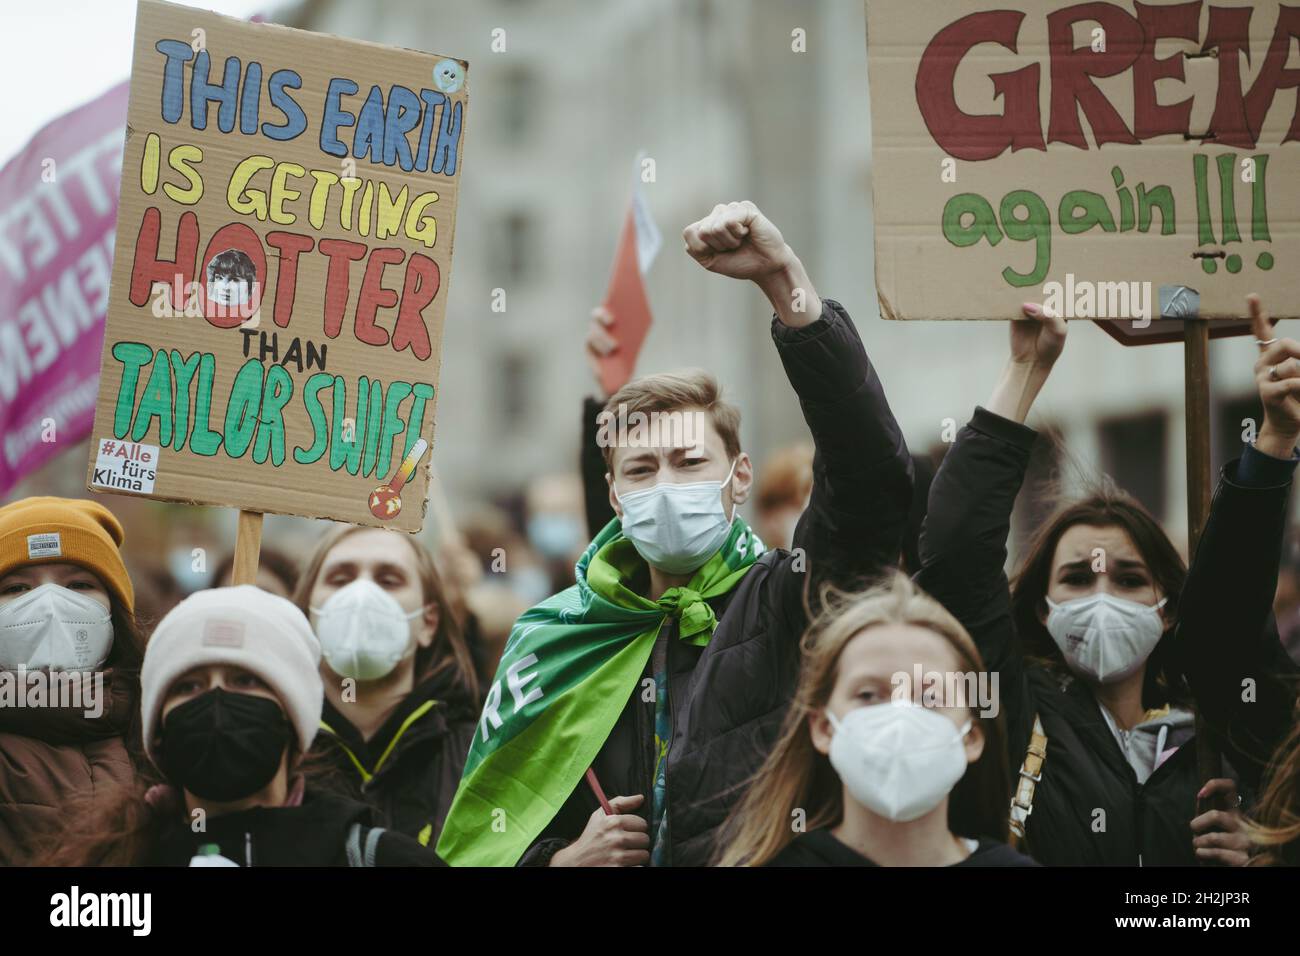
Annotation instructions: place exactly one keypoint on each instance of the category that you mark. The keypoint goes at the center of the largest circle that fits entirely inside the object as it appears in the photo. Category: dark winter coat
(409, 770)
(821, 848)
(1089, 808)
(729, 697)
(317, 833)
(49, 756)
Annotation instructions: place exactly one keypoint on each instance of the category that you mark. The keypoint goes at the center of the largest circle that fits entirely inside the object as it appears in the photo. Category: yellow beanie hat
(65, 530)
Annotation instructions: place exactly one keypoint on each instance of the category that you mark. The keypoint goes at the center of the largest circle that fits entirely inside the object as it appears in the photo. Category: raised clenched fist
(737, 240)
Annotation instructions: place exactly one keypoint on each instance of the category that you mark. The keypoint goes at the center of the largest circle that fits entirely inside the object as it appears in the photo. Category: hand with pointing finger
(1277, 376)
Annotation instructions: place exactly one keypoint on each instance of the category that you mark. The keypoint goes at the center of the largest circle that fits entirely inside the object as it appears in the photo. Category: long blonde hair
(796, 776)
(1275, 827)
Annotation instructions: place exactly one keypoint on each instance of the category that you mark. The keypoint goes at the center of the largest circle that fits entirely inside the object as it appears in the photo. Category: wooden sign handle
(248, 545)
(1196, 382)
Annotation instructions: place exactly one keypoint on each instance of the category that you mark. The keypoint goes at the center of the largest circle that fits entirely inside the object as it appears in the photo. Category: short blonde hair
(675, 391)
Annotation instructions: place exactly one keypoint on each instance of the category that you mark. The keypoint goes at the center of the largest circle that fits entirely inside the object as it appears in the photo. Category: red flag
(626, 301)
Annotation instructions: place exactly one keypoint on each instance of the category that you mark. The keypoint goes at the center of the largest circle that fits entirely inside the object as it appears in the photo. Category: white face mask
(676, 528)
(898, 759)
(1104, 637)
(54, 627)
(363, 631)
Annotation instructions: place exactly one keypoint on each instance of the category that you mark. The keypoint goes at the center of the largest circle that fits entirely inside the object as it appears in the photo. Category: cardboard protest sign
(1091, 156)
(58, 206)
(284, 246)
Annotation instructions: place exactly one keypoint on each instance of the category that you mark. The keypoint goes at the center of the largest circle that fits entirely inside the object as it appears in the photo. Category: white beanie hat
(242, 626)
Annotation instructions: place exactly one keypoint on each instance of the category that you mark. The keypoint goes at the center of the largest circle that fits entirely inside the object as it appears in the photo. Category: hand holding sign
(620, 838)
(1037, 340)
(600, 347)
(1221, 835)
(1277, 374)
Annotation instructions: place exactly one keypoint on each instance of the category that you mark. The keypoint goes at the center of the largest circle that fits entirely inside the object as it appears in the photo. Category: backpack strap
(362, 844)
(372, 845)
(1031, 772)
(353, 845)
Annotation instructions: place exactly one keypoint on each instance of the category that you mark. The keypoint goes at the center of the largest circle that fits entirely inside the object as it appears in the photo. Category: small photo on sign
(125, 466)
(231, 278)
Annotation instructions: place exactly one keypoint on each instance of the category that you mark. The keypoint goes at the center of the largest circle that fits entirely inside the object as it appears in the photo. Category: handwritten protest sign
(284, 248)
(1105, 158)
(58, 204)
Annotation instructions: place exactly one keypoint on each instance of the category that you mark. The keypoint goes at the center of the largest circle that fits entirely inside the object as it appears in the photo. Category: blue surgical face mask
(677, 527)
(555, 535)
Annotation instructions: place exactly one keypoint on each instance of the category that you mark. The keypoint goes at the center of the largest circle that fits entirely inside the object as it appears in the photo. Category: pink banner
(58, 213)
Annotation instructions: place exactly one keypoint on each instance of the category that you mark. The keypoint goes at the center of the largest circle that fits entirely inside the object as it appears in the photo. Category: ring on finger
(1272, 373)
(1265, 344)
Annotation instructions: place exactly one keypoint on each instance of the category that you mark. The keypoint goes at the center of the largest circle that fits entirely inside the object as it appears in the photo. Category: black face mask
(224, 746)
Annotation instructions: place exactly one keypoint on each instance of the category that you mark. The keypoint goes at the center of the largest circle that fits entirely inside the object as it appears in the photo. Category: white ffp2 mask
(54, 627)
(898, 759)
(677, 527)
(363, 631)
(1105, 637)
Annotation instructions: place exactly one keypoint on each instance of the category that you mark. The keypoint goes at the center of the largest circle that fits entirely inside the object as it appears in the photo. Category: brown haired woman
(68, 625)
(1246, 689)
(876, 768)
(401, 695)
(1091, 672)
(1091, 643)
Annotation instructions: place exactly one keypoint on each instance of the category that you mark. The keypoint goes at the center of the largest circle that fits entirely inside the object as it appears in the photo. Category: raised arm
(964, 539)
(862, 473)
(591, 460)
(1226, 636)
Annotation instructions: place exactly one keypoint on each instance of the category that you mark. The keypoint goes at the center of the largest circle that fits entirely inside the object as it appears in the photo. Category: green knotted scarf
(566, 674)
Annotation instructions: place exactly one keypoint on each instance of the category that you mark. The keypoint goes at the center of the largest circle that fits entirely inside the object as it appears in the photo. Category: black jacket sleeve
(540, 853)
(852, 529)
(1226, 637)
(595, 491)
(963, 551)
(398, 849)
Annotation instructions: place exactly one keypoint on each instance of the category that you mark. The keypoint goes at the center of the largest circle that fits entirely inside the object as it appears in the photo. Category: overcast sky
(57, 54)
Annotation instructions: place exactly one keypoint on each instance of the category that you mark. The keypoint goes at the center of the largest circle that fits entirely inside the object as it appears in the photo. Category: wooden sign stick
(1196, 384)
(248, 545)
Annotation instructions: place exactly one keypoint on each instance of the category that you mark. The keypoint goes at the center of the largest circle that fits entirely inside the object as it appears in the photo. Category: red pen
(600, 794)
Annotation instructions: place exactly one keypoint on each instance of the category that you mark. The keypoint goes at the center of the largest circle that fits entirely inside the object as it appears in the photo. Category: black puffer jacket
(729, 697)
(1089, 808)
(1227, 601)
(409, 770)
(821, 848)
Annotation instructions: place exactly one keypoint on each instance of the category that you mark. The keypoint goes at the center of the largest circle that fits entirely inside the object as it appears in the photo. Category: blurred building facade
(716, 93)
(564, 94)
